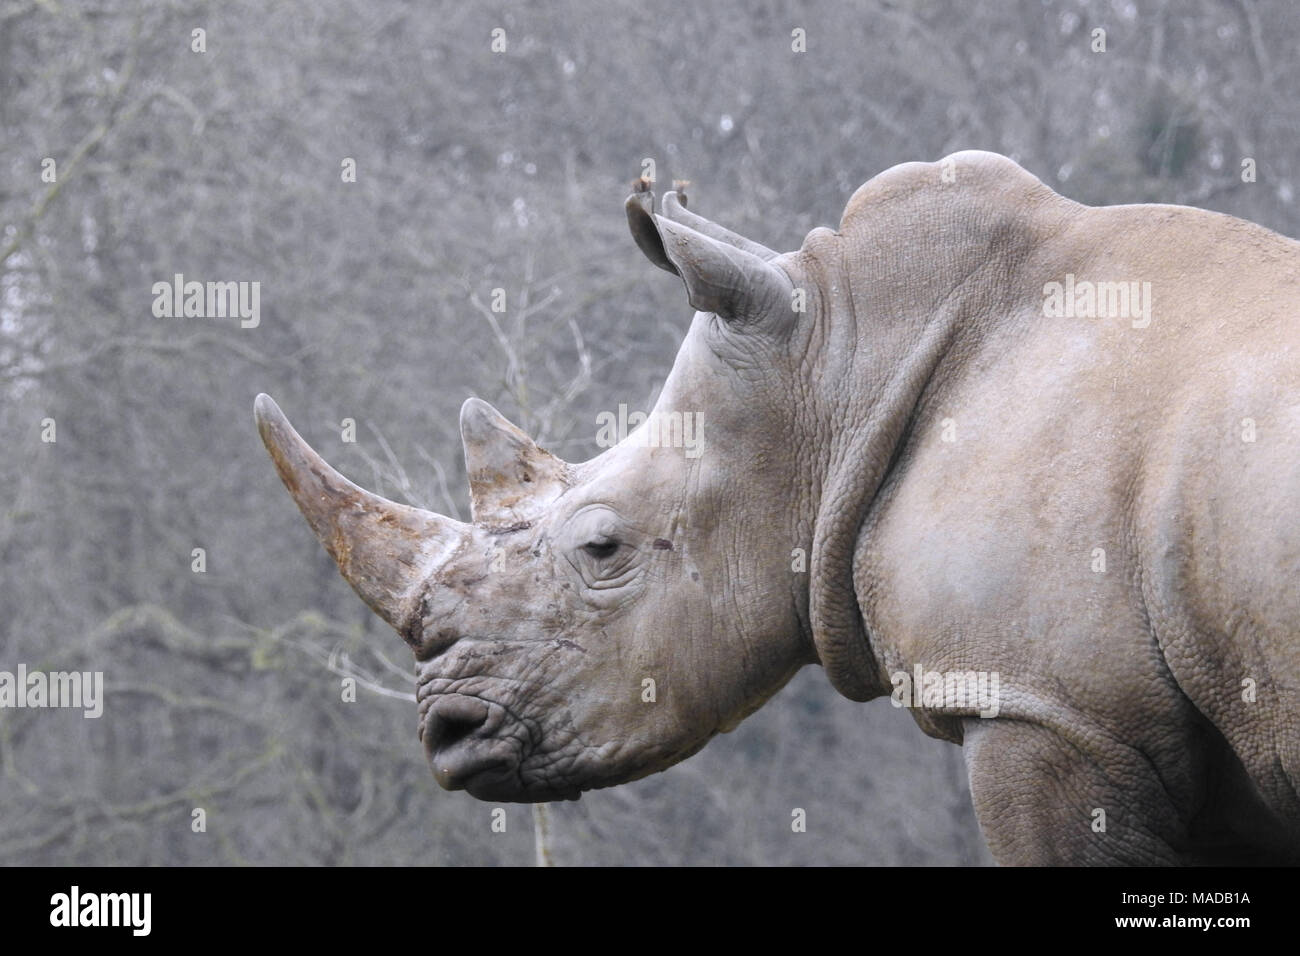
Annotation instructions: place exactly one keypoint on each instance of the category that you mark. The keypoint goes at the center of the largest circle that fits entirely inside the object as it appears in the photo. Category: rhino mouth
(478, 745)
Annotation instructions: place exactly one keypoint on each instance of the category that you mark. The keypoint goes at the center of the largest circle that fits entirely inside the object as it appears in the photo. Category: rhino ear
(724, 272)
(675, 209)
(641, 220)
(510, 477)
(734, 283)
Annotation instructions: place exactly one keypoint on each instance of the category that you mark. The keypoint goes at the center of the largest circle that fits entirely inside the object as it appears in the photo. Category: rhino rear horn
(385, 550)
(510, 477)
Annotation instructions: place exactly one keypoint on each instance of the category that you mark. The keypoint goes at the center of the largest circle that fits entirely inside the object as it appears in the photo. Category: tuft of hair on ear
(642, 184)
(679, 187)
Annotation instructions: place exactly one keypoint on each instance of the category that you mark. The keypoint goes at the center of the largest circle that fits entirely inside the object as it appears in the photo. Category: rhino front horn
(385, 550)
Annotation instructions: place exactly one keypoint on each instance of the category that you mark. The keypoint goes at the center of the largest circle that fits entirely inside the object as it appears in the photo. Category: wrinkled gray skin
(1162, 691)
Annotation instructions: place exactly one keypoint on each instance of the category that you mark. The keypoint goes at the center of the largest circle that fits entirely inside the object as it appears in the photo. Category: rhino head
(597, 622)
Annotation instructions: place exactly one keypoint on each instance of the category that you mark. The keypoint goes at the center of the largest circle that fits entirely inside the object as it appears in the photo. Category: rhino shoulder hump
(972, 173)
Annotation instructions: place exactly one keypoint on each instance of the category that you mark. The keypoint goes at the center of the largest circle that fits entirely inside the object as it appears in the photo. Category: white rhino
(1043, 460)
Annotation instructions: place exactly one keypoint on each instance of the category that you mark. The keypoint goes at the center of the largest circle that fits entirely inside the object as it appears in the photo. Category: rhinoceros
(1028, 467)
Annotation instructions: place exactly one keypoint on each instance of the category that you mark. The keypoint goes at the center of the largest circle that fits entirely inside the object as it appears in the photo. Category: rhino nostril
(452, 718)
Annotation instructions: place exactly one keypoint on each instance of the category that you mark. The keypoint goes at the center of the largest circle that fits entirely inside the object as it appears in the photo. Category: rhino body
(994, 465)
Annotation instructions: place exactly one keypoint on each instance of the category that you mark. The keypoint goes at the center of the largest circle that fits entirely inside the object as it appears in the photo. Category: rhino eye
(600, 550)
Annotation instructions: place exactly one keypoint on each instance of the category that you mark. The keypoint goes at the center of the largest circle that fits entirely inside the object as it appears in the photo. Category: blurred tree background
(475, 170)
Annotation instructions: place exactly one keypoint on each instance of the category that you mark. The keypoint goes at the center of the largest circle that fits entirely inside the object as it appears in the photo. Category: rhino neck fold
(860, 465)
